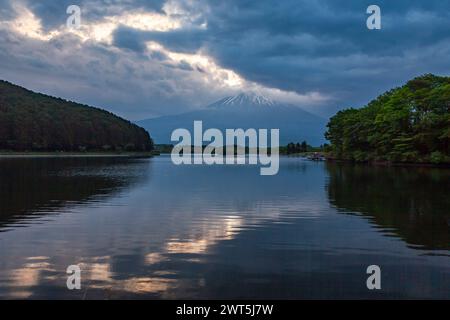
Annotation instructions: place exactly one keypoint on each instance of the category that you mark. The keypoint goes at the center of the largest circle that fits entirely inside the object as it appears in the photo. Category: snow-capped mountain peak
(245, 110)
(244, 99)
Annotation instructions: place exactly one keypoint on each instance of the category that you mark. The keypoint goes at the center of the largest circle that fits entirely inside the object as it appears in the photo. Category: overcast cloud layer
(142, 59)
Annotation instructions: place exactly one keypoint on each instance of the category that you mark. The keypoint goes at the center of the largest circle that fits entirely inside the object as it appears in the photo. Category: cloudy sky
(142, 59)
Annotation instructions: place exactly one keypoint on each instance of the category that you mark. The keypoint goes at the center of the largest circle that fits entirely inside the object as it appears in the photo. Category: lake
(145, 228)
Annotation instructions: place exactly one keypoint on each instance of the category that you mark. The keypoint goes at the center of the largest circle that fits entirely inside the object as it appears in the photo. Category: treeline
(406, 124)
(291, 148)
(304, 147)
(35, 122)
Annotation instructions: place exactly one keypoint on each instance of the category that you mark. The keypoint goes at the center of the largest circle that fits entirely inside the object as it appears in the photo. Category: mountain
(246, 110)
(32, 121)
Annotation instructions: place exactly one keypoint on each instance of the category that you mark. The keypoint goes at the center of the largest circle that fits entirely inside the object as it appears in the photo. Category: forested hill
(406, 124)
(32, 121)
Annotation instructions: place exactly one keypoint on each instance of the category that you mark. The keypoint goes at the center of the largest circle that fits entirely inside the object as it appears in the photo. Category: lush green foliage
(35, 122)
(406, 124)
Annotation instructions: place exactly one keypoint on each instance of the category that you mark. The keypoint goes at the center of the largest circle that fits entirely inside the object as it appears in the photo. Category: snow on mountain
(245, 110)
(243, 99)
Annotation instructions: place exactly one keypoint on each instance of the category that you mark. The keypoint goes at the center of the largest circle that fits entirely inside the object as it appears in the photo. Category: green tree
(35, 122)
(406, 124)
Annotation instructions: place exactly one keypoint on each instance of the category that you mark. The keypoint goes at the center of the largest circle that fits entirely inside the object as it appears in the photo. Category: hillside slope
(32, 121)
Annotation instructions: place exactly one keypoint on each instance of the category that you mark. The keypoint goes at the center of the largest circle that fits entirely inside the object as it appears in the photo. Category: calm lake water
(144, 228)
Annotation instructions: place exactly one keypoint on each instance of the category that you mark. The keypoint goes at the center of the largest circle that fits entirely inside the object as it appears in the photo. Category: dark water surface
(144, 228)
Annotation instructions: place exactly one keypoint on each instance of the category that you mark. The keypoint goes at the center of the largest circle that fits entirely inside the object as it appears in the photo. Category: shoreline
(60, 154)
(392, 164)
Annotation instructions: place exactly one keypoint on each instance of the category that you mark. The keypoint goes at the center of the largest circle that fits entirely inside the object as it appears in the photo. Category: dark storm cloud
(323, 45)
(185, 41)
(53, 13)
(128, 38)
(302, 46)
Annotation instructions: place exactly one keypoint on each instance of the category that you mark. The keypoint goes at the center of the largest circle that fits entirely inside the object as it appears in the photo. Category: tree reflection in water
(411, 202)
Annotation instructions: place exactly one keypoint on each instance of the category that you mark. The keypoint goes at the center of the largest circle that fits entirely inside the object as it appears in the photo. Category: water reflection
(407, 202)
(34, 186)
(146, 243)
(149, 229)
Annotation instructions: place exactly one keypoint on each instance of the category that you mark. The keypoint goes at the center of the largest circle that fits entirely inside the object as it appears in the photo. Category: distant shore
(5, 154)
